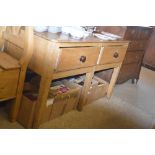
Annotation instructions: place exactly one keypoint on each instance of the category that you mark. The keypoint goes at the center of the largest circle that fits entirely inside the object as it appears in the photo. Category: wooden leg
(42, 100)
(132, 81)
(113, 81)
(15, 105)
(86, 87)
(137, 81)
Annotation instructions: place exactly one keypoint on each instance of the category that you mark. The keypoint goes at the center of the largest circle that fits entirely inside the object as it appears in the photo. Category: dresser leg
(113, 81)
(137, 81)
(41, 101)
(133, 81)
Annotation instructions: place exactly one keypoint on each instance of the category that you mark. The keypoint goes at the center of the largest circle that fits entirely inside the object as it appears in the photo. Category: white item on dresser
(54, 29)
(66, 29)
(104, 37)
(76, 32)
(40, 28)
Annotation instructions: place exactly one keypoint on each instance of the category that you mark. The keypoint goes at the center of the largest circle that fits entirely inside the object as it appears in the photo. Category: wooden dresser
(138, 37)
(58, 56)
(149, 57)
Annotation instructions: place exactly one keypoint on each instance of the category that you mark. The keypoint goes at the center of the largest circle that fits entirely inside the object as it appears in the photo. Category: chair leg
(14, 110)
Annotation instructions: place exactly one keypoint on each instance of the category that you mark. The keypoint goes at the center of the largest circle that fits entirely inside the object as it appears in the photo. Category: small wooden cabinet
(138, 37)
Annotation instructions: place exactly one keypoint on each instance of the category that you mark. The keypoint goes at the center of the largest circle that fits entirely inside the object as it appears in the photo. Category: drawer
(73, 58)
(137, 45)
(133, 57)
(112, 54)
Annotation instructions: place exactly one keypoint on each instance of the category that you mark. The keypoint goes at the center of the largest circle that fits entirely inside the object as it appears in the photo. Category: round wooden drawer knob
(116, 55)
(83, 59)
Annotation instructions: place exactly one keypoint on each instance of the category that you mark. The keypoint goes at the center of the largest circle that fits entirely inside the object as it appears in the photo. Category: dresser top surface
(63, 38)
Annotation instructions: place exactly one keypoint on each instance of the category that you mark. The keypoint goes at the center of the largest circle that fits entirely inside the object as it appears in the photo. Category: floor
(131, 106)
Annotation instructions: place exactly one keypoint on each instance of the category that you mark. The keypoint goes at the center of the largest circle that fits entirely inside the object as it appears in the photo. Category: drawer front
(73, 58)
(113, 54)
(133, 57)
(137, 45)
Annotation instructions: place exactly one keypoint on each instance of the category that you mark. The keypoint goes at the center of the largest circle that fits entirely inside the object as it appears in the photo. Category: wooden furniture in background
(17, 51)
(149, 57)
(138, 37)
(2, 29)
(59, 56)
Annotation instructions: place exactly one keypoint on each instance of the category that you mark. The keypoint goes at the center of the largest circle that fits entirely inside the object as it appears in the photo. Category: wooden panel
(131, 33)
(41, 47)
(8, 83)
(105, 74)
(2, 29)
(98, 90)
(128, 71)
(138, 33)
(8, 62)
(137, 45)
(143, 33)
(133, 57)
(13, 50)
(113, 54)
(26, 112)
(73, 58)
(64, 74)
(149, 57)
(16, 38)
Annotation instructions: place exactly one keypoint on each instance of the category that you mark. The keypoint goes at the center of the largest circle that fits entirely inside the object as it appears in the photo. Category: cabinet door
(133, 57)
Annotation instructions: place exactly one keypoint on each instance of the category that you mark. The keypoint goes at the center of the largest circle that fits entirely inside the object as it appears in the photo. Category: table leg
(113, 81)
(41, 101)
